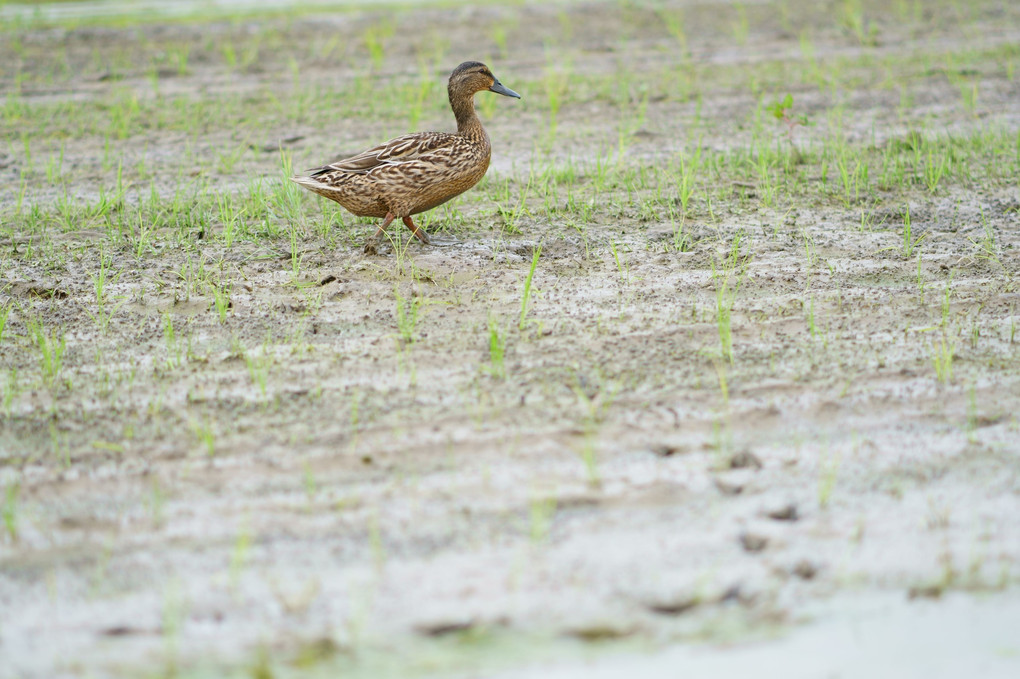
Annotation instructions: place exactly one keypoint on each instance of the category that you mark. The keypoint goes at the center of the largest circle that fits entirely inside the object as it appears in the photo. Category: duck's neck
(468, 124)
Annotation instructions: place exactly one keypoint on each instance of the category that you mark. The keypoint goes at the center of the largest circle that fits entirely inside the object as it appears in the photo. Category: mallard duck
(415, 172)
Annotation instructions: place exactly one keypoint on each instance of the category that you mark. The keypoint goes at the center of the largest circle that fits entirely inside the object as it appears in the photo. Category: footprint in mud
(805, 569)
(753, 542)
(675, 605)
(444, 627)
(784, 512)
(602, 631)
(745, 459)
(45, 290)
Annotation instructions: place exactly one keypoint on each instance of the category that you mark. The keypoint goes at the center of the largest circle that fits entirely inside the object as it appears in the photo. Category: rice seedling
(511, 211)
(867, 220)
(220, 300)
(526, 293)
(740, 28)
(173, 345)
(230, 215)
(812, 328)
(852, 18)
(258, 365)
(498, 33)
(11, 389)
(910, 243)
(681, 240)
(987, 248)
(240, 555)
(673, 19)
(101, 279)
(942, 358)
(9, 511)
(622, 266)
(853, 177)
(968, 94)
(308, 480)
(766, 183)
(55, 167)
(497, 350)
(417, 94)
(587, 453)
(178, 56)
(227, 161)
(541, 511)
(722, 378)
(205, 435)
(919, 279)
(408, 312)
(630, 124)
(686, 179)
(828, 471)
(229, 53)
(5, 311)
(935, 168)
(945, 307)
(51, 346)
(155, 502)
(59, 446)
(374, 38)
(554, 84)
(727, 275)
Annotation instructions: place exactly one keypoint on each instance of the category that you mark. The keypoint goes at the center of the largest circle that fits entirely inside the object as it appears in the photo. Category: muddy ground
(279, 456)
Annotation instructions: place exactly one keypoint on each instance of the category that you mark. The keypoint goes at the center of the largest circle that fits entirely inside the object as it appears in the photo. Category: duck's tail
(309, 182)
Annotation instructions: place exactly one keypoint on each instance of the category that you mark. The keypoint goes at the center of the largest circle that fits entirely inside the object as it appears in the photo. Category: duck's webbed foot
(372, 244)
(417, 230)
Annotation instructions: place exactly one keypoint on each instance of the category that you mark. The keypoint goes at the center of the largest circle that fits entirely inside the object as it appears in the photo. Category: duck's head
(474, 76)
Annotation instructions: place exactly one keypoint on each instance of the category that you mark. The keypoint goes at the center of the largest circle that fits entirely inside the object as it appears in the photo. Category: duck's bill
(499, 88)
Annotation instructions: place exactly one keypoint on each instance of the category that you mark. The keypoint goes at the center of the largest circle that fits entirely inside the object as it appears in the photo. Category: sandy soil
(304, 490)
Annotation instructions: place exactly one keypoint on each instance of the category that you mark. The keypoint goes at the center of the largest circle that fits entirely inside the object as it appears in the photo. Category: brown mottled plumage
(415, 172)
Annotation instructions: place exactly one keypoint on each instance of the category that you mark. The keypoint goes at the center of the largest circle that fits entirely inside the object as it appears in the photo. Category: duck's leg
(385, 223)
(416, 230)
(370, 244)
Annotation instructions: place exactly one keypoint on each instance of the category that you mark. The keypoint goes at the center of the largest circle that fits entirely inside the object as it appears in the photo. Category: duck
(416, 172)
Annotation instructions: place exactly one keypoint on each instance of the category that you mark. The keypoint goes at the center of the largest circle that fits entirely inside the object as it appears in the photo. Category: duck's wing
(395, 151)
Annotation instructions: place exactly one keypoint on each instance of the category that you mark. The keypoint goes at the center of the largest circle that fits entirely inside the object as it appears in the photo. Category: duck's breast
(451, 175)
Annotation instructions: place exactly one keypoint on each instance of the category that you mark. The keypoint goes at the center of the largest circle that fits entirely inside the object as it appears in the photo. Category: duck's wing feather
(400, 150)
